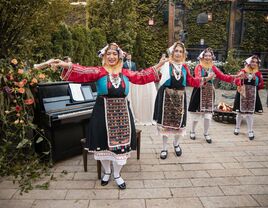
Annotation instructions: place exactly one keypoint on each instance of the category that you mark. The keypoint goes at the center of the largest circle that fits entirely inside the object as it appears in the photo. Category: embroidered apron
(117, 123)
(206, 97)
(247, 103)
(173, 108)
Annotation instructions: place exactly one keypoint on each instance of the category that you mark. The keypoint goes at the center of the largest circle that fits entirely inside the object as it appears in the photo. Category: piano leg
(85, 152)
(99, 169)
(138, 139)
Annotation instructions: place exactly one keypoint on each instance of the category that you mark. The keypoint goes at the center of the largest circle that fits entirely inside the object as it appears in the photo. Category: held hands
(44, 64)
(59, 63)
(240, 75)
(161, 62)
(50, 61)
(210, 76)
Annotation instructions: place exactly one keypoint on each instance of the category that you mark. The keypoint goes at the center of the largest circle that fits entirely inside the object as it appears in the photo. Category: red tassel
(123, 84)
(109, 85)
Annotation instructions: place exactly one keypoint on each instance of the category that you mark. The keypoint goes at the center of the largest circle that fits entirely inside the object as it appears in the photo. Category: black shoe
(251, 135)
(104, 183)
(122, 185)
(236, 131)
(162, 155)
(192, 135)
(178, 152)
(208, 139)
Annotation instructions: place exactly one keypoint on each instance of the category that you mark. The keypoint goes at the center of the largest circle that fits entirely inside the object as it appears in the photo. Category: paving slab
(230, 172)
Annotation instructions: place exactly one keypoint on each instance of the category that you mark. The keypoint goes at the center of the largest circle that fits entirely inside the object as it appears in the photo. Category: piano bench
(85, 152)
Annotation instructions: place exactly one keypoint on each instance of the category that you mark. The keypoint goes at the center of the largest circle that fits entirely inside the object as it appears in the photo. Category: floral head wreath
(113, 46)
(248, 60)
(201, 55)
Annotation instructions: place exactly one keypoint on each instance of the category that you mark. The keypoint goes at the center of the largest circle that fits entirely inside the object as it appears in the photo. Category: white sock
(194, 124)
(106, 164)
(117, 170)
(238, 120)
(249, 120)
(206, 125)
(165, 140)
(176, 140)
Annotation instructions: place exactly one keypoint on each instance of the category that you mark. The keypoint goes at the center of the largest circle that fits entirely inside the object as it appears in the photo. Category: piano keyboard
(74, 114)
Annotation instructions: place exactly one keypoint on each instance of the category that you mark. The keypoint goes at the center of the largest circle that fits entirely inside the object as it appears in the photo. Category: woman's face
(208, 57)
(178, 53)
(112, 57)
(254, 63)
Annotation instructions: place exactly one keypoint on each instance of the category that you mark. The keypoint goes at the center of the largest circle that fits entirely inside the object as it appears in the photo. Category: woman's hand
(210, 76)
(45, 64)
(59, 63)
(161, 62)
(50, 61)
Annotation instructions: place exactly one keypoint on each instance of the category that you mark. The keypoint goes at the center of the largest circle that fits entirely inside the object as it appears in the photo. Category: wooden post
(171, 15)
(232, 24)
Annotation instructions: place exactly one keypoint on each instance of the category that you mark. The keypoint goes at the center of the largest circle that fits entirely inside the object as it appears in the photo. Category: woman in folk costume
(111, 132)
(202, 99)
(248, 100)
(170, 104)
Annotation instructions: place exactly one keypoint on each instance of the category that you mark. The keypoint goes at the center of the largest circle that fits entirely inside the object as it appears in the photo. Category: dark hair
(209, 50)
(256, 57)
(178, 43)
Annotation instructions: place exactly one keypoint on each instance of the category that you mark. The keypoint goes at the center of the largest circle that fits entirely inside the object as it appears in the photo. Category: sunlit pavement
(230, 172)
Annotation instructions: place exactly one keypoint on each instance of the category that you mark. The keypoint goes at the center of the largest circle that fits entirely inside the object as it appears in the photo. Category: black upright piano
(62, 118)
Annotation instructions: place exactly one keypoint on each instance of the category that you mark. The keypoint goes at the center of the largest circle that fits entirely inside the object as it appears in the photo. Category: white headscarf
(103, 50)
(200, 55)
(165, 73)
(248, 60)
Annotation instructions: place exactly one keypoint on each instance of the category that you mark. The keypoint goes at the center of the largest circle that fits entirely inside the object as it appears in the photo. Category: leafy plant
(18, 133)
(232, 64)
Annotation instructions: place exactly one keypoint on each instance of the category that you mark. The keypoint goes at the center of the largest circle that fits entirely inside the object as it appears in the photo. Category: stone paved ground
(230, 172)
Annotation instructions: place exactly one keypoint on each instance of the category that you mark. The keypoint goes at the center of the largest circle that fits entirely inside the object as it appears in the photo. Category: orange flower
(14, 61)
(42, 76)
(21, 84)
(29, 101)
(34, 81)
(21, 90)
(20, 71)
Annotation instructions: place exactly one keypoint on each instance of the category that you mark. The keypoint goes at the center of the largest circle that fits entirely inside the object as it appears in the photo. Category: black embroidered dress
(170, 111)
(111, 131)
(252, 102)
